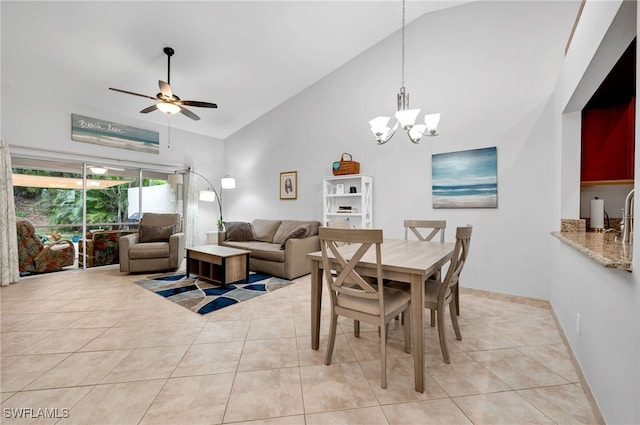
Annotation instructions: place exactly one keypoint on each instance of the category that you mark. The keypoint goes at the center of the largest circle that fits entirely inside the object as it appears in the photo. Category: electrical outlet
(578, 324)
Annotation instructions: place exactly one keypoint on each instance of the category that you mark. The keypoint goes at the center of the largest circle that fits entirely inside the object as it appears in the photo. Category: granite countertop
(604, 248)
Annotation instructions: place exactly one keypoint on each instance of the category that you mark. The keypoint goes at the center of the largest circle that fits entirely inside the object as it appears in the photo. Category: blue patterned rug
(203, 296)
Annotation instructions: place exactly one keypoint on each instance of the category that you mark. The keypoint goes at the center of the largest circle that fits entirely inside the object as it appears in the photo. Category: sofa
(278, 247)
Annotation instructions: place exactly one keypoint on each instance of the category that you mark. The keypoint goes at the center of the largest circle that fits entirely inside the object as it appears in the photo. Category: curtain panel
(9, 272)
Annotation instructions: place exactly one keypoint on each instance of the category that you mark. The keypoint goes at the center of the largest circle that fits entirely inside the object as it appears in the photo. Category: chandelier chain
(403, 8)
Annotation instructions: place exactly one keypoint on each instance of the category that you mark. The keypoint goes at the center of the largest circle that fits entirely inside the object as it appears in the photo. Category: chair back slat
(346, 278)
(458, 260)
(436, 226)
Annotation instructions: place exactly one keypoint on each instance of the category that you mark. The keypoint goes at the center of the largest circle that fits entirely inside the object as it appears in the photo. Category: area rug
(203, 296)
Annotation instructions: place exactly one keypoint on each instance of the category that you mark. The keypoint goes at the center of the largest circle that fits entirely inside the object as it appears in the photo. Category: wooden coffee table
(219, 264)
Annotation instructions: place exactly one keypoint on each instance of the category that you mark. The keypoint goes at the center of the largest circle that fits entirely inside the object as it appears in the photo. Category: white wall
(35, 122)
(489, 68)
(608, 347)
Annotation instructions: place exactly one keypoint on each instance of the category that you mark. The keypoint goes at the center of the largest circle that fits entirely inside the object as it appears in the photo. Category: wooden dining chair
(357, 297)
(435, 226)
(440, 294)
(426, 230)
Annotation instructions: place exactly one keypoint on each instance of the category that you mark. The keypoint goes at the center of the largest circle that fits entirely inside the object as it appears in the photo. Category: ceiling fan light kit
(167, 101)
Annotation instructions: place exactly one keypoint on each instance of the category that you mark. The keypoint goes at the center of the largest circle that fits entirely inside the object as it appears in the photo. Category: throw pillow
(299, 232)
(155, 233)
(264, 230)
(238, 231)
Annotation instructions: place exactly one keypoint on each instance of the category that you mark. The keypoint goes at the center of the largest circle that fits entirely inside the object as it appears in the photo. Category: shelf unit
(336, 193)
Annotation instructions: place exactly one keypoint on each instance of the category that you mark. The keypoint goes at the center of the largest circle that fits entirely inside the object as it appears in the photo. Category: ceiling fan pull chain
(169, 131)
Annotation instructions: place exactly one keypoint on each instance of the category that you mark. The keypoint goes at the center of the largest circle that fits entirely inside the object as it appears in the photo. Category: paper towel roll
(597, 213)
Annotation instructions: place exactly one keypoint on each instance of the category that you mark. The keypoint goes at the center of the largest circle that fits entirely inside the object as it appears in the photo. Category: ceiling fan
(167, 101)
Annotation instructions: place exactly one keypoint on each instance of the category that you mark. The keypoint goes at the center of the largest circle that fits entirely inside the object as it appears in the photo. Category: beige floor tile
(466, 378)
(205, 359)
(265, 394)
(284, 420)
(13, 322)
(53, 321)
(400, 381)
(80, 369)
(42, 406)
(18, 371)
(223, 331)
(564, 404)
(342, 352)
(116, 404)
(191, 400)
(146, 363)
(16, 342)
(555, 357)
(269, 354)
(366, 415)
(64, 341)
(252, 362)
(516, 369)
(501, 408)
(118, 339)
(335, 387)
(443, 411)
(278, 327)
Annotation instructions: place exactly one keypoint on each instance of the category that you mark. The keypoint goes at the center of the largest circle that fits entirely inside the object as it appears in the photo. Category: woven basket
(346, 166)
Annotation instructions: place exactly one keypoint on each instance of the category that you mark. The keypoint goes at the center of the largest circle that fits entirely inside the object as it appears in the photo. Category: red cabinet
(608, 143)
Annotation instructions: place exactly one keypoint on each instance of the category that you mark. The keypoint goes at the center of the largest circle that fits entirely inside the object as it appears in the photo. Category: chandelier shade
(405, 117)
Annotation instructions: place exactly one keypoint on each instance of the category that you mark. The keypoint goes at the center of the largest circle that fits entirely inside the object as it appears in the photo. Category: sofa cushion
(238, 231)
(301, 231)
(260, 250)
(264, 230)
(156, 233)
(289, 226)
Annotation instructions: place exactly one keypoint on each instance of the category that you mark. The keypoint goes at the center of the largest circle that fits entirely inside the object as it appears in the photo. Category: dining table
(405, 261)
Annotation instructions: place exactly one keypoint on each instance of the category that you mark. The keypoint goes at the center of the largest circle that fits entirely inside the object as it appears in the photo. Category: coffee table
(219, 264)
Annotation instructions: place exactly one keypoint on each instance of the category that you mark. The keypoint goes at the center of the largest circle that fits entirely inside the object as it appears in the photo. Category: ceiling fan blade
(197, 103)
(188, 113)
(130, 92)
(165, 89)
(149, 109)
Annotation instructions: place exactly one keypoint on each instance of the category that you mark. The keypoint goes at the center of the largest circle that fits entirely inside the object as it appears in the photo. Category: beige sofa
(278, 247)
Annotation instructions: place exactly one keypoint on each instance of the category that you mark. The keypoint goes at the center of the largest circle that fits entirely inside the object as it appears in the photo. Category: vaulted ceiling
(246, 56)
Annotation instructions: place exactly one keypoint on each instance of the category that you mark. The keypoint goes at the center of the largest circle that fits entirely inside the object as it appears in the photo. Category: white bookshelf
(357, 207)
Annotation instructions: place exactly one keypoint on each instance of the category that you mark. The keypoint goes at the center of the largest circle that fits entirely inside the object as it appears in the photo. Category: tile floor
(91, 347)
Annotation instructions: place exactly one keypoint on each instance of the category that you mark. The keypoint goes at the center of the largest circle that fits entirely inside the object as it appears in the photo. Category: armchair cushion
(156, 233)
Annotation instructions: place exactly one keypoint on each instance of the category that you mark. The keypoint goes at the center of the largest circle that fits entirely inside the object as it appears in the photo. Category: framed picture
(289, 185)
(465, 179)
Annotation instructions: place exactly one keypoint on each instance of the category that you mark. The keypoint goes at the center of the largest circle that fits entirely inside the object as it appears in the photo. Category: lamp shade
(98, 170)
(432, 120)
(175, 179)
(407, 117)
(228, 182)
(207, 195)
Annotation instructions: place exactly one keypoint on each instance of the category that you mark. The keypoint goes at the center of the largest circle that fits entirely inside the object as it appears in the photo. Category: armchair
(158, 245)
(36, 257)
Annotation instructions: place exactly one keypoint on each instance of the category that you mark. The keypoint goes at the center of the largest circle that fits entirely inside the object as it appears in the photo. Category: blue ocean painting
(465, 179)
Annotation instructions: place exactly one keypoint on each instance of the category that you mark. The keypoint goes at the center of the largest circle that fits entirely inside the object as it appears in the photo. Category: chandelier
(405, 117)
